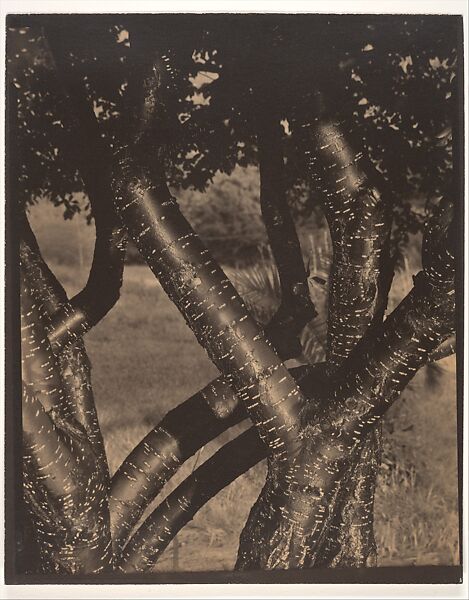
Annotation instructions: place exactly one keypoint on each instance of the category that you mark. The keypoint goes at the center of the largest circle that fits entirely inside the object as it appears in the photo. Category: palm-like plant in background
(259, 286)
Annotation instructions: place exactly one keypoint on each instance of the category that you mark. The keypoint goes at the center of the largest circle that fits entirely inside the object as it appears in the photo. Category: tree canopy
(391, 78)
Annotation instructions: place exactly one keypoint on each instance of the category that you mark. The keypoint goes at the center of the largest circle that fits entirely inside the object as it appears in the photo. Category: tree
(360, 148)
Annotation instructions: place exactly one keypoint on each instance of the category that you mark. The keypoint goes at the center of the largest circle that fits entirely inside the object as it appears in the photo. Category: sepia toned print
(284, 193)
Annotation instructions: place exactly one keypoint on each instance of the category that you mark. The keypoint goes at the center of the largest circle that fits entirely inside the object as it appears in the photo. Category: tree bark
(182, 432)
(311, 444)
(296, 308)
(72, 360)
(359, 220)
(289, 525)
(151, 539)
(64, 486)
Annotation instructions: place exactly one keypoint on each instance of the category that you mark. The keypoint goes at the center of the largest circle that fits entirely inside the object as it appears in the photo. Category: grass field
(145, 361)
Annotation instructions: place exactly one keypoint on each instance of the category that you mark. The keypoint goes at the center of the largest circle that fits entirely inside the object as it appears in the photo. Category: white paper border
(241, 590)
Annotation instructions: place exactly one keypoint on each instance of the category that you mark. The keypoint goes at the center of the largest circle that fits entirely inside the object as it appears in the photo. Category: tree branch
(181, 433)
(92, 156)
(63, 479)
(72, 361)
(158, 529)
(102, 289)
(151, 539)
(390, 355)
(359, 221)
(296, 308)
(155, 459)
(362, 269)
(197, 285)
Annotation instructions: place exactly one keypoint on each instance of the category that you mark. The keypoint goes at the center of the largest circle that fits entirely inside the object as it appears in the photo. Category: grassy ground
(145, 361)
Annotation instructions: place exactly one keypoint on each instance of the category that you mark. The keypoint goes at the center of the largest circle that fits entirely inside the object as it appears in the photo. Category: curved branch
(102, 289)
(72, 361)
(231, 461)
(181, 433)
(92, 156)
(156, 532)
(360, 222)
(155, 459)
(362, 269)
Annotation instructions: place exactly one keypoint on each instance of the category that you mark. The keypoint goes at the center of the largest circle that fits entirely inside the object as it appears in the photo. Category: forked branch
(390, 354)
(65, 490)
(359, 219)
(88, 151)
(72, 360)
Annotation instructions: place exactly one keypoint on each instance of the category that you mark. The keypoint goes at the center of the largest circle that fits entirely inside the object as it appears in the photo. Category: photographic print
(234, 285)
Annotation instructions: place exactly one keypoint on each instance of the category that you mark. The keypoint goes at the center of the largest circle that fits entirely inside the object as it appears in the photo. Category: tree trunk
(65, 480)
(316, 505)
(304, 524)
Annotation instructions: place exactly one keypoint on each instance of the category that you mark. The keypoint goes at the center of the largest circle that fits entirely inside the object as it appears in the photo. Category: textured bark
(151, 539)
(289, 524)
(198, 287)
(360, 223)
(182, 432)
(151, 464)
(64, 487)
(359, 281)
(72, 360)
(211, 306)
(350, 539)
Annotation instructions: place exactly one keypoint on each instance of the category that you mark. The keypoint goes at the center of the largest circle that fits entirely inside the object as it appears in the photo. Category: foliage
(393, 74)
(228, 216)
(259, 286)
